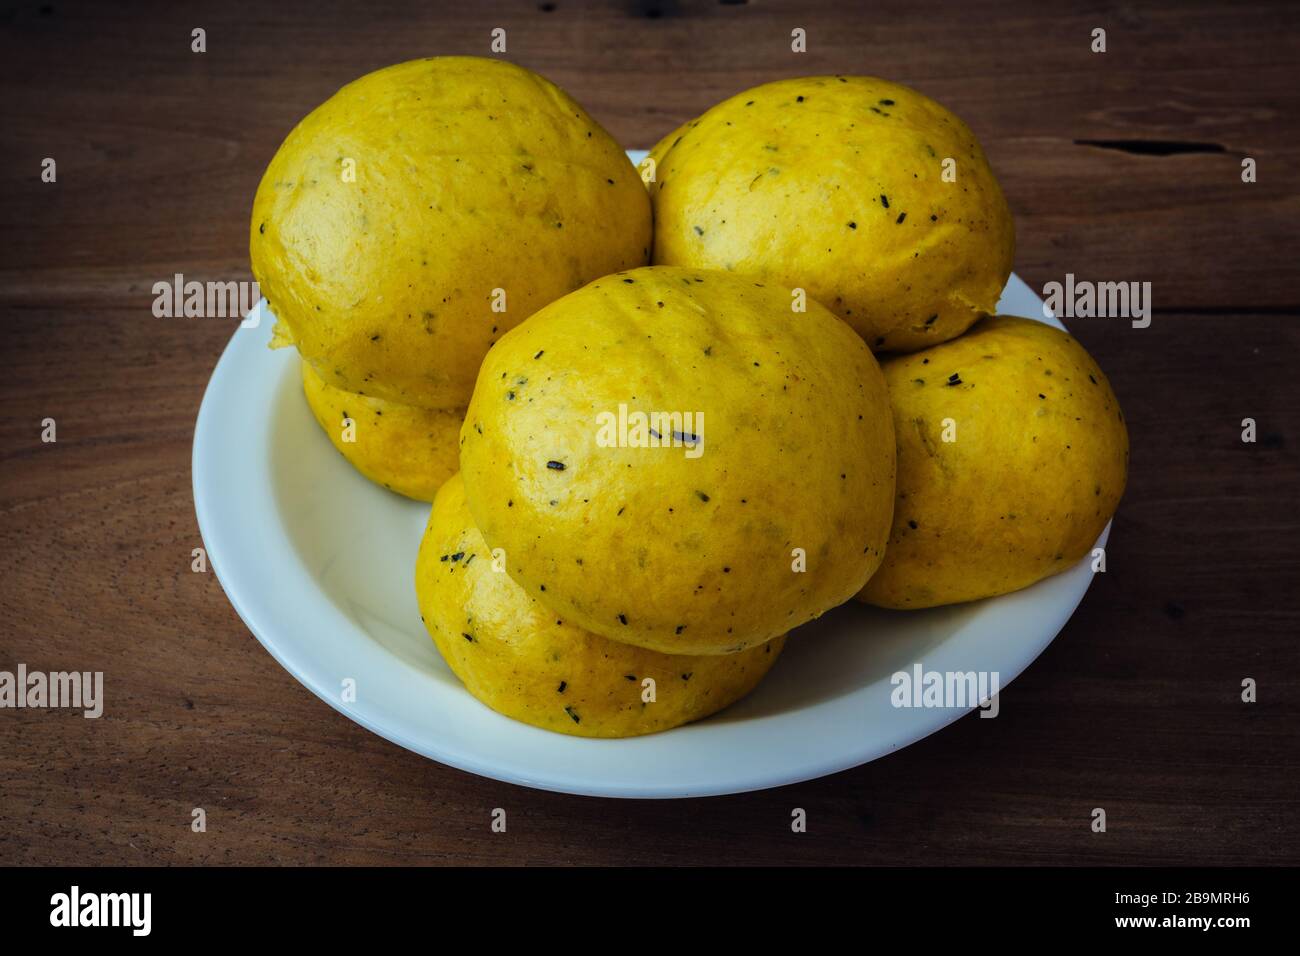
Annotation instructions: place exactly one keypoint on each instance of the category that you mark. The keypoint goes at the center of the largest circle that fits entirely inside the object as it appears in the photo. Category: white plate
(319, 563)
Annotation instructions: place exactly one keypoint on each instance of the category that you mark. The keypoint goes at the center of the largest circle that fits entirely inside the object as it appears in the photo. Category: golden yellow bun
(834, 184)
(704, 547)
(514, 655)
(1036, 467)
(406, 449)
(393, 213)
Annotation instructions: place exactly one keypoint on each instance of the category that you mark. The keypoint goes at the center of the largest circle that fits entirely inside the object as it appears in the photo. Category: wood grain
(1134, 708)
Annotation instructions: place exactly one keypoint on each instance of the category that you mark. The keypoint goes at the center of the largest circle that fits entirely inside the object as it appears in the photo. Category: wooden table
(1135, 707)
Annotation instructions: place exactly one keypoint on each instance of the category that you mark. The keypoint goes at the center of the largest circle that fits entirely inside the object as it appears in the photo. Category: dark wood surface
(1134, 708)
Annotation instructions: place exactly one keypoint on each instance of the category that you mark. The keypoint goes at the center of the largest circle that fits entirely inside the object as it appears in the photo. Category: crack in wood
(1152, 147)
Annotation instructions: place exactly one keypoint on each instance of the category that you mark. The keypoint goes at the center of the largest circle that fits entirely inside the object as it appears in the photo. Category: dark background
(1119, 166)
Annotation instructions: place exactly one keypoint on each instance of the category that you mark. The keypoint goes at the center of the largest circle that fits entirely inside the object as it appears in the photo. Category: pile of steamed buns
(665, 422)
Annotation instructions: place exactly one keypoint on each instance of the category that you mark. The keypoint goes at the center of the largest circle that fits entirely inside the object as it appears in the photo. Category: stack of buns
(653, 451)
